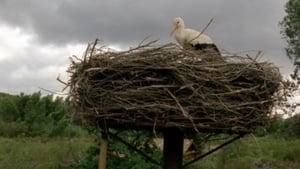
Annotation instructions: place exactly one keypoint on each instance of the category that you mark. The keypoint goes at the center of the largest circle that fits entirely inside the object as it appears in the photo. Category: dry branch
(166, 86)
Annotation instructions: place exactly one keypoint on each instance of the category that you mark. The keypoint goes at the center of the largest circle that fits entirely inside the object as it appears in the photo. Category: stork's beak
(174, 29)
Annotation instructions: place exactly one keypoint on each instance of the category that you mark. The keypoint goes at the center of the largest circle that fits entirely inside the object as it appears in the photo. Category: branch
(210, 21)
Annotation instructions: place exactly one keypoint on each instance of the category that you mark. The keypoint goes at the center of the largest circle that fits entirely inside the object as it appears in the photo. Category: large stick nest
(155, 87)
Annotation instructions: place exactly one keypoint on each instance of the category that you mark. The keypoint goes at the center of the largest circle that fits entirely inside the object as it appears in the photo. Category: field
(36, 133)
(41, 153)
(248, 153)
(255, 153)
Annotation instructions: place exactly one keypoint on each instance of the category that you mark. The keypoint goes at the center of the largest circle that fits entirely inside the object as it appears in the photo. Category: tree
(290, 29)
(33, 115)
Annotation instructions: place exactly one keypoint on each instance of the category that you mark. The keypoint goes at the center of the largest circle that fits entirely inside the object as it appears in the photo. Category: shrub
(33, 115)
(279, 127)
(295, 125)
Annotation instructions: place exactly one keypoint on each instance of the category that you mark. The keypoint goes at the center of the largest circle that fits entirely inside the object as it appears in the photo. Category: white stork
(191, 38)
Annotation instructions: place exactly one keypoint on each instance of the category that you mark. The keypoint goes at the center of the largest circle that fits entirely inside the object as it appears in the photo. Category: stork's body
(188, 38)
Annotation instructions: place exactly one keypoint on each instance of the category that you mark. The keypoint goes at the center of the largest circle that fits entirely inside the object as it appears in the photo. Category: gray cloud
(238, 26)
(126, 22)
(34, 69)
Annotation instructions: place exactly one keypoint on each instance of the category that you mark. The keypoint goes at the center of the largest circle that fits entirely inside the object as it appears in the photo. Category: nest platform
(157, 87)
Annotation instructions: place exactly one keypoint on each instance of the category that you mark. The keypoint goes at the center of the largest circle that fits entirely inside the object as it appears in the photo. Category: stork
(191, 38)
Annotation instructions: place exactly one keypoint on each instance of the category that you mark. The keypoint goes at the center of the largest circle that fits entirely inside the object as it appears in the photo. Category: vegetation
(41, 152)
(290, 30)
(34, 115)
(255, 153)
(121, 155)
(42, 125)
(35, 132)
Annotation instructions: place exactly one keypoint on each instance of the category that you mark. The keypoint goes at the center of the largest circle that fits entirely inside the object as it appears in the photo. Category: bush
(9, 111)
(279, 127)
(295, 125)
(33, 115)
(12, 129)
(131, 159)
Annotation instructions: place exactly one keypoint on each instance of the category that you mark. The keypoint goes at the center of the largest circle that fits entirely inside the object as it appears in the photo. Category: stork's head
(178, 24)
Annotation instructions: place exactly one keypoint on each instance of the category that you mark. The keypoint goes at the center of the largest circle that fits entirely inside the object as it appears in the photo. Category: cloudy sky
(38, 36)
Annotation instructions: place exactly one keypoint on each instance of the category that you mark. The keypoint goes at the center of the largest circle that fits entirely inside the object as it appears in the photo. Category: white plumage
(189, 37)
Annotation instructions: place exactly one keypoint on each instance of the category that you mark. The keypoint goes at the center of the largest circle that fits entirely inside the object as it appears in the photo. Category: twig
(86, 53)
(210, 21)
(58, 79)
(147, 37)
(256, 56)
(144, 86)
(53, 92)
(94, 45)
(184, 112)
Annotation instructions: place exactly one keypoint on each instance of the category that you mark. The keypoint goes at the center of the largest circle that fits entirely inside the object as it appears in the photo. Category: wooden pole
(173, 149)
(103, 151)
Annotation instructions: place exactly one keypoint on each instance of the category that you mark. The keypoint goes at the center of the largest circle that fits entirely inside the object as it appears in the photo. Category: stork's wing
(195, 37)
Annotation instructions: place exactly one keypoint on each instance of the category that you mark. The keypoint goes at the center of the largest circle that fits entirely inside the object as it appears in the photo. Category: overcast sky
(38, 36)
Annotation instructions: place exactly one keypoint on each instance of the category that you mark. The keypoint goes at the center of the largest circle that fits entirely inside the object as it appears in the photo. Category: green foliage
(12, 129)
(255, 153)
(8, 109)
(121, 155)
(290, 30)
(89, 162)
(71, 153)
(33, 115)
(132, 160)
(41, 152)
(295, 125)
(282, 128)
(279, 126)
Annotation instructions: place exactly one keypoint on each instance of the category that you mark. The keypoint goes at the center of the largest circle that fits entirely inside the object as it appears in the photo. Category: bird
(188, 38)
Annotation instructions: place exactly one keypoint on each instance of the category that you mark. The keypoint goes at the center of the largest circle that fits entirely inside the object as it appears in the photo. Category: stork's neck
(180, 26)
(179, 29)
(179, 35)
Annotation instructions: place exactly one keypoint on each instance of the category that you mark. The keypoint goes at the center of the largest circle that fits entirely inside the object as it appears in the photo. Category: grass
(41, 153)
(255, 153)
(248, 153)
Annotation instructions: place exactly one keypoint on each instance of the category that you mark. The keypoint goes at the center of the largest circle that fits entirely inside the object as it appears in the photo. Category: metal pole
(213, 150)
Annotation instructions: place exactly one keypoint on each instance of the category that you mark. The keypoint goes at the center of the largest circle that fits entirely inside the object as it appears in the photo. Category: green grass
(41, 153)
(255, 153)
(248, 153)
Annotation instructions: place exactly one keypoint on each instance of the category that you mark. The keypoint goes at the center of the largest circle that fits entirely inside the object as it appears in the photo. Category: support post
(173, 149)
(103, 150)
